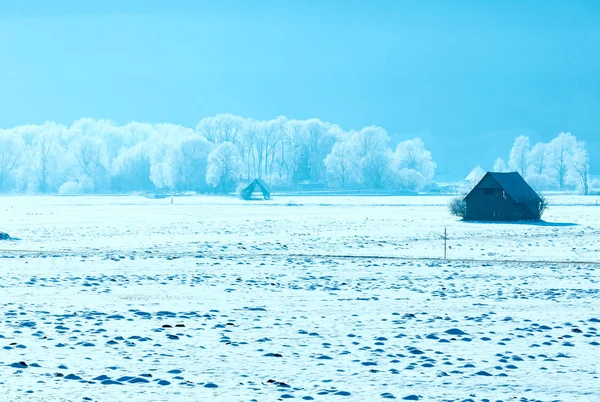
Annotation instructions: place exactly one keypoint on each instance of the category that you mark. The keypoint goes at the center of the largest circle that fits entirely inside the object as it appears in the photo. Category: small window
(488, 191)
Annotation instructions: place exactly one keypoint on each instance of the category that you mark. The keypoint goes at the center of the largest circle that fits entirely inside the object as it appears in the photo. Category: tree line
(561, 164)
(97, 156)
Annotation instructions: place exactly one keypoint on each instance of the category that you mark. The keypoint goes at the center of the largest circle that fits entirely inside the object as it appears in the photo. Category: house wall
(489, 202)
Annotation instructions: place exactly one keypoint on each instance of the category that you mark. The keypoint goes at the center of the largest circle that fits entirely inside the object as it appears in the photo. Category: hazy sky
(466, 75)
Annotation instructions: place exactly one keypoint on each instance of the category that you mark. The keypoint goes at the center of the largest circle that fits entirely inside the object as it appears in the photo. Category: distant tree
(321, 137)
(42, 158)
(561, 151)
(91, 156)
(519, 155)
(540, 182)
(376, 168)
(340, 163)
(288, 151)
(297, 160)
(302, 170)
(413, 161)
(69, 188)
(539, 176)
(114, 137)
(266, 139)
(161, 176)
(12, 148)
(410, 179)
(131, 169)
(45, 156)
(580, 168)
(275, 154)
(370, 140)
(474, 177)
(538, 159)
(221, 128)
(371, 154)
(500, 166)
(188, 161)
(224, 167)
(170, 134)
(247, 149)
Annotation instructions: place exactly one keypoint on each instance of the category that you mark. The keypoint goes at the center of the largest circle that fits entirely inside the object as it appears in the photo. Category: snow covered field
(324, 298)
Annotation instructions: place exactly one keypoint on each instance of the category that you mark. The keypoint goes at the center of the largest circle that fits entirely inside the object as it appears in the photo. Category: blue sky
(468, 76)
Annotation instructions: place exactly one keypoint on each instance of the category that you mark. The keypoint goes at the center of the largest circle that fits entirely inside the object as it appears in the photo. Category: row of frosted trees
(561, 164)
(97, 156)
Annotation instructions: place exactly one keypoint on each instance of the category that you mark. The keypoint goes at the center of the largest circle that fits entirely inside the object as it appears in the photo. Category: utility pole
(445, 241)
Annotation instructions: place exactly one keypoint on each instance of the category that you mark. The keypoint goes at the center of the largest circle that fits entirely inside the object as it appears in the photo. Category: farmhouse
(502, 197)
(262, 187)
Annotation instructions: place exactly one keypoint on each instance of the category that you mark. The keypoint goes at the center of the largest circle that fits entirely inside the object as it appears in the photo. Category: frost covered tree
(413, 164)
(221, 128)
(340, 163)
(95, 155)
(299, 161)
(541, 182)
(377, 169)
(320, 139)
(42, 157)
(561, 150)
(110, 134)
(410, 179)
(474, 177)
(171, 133)
(91, 155)
(189, 160)
(370, 140)
(371, 153)
(302, 170)
(131, 134)
(519, 155)
(296, 140)
(49, 160)
(538, 175)
(256, 141)
(275, 157)
(538, 159)
(580, 168)
(12, 148)
(500, 165)
(161, 176)
(131, 169)
(224, 167)
(267, 138)
(246, 148)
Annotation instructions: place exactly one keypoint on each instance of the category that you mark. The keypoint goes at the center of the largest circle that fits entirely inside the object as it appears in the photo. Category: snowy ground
(115, 298)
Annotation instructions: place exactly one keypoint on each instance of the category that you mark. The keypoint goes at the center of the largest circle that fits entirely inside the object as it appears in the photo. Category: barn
(257, 184)
(502, 197)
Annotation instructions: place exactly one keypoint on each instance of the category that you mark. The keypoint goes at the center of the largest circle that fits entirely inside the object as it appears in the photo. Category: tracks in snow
(116, 254)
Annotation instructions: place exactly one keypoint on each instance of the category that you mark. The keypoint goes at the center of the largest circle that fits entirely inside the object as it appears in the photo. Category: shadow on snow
(527, 223)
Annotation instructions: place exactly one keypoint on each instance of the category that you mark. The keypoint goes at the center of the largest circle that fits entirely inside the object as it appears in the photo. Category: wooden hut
(502, 197)
(257, 184)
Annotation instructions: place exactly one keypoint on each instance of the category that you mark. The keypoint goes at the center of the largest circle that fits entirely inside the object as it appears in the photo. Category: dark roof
(515, 186)
(263, 185)
(247, 192)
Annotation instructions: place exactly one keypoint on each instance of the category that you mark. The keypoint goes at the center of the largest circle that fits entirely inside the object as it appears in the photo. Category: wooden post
(445, 241)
